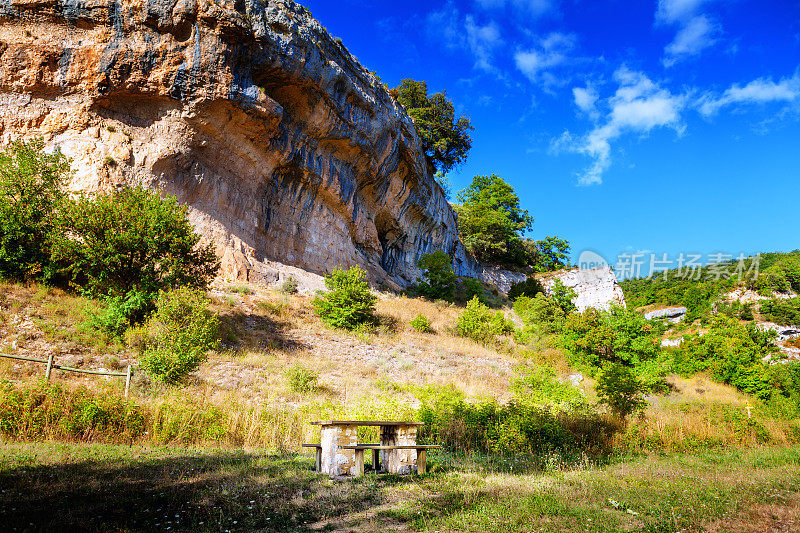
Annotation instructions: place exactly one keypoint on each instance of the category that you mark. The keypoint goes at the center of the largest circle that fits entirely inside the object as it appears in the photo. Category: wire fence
(52, 366)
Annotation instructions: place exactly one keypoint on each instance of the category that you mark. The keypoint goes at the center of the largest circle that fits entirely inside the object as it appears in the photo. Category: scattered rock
(595, 287)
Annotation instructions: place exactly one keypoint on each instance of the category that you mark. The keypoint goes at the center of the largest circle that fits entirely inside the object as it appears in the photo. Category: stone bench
(376, 448)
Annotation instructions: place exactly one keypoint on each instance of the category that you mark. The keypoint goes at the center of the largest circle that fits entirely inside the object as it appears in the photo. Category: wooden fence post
(128, 381)
(49, 366)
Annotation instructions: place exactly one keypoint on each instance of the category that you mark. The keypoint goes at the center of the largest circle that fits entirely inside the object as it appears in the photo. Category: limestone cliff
(595, 287)
(285, 149)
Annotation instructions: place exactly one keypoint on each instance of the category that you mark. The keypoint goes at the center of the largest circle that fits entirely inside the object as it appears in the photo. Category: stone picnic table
(339, 452)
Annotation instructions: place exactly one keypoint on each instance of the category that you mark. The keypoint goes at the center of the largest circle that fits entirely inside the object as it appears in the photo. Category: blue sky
(660, 126)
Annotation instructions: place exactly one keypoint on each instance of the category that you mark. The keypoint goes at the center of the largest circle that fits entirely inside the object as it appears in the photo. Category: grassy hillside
(525, 448)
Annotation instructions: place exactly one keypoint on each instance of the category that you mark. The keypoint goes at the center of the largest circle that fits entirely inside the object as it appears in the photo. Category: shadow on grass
(206, 492)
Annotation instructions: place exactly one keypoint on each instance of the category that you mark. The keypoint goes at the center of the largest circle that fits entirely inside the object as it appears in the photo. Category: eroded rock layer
(282, 145)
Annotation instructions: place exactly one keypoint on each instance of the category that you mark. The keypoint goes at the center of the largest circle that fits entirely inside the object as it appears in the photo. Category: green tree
(30, 198)
(348, 302)
(132, 240)
(620, 389)
(438, 277)
(491, 222)
(552, 253)
(445, 139)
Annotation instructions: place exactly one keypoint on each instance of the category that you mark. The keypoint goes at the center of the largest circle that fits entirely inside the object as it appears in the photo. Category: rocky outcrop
(671, 314)
(286, 150)
(595, 287)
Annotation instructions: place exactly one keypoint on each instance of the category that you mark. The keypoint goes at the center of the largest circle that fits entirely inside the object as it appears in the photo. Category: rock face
(286, 150)
(672, 314)
(596, 287)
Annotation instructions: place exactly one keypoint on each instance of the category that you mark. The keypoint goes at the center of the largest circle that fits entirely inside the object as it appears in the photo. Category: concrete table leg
(422, 461)
(358, 469)
(376, 460)
(318, 458)
(336, 462)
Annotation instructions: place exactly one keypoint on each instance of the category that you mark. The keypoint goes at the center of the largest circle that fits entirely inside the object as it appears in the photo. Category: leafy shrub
(178, 335)
(422, 324)
(540, 313)
(620, 389)
(289, 286)
(781, 311)
(30, 200)
(121, 312)
(479, 323)
(732, 353)
(438, 277)
(301, 379)
(538, 385)
(530, 288)
(513, 428)
(348, 302)
(473, 289)
(563, 296)
(132, 240)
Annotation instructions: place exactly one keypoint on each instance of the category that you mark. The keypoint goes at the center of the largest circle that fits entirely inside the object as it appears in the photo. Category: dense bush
(732, 353)
(30, 201)
(301, 379)
(132, 240)
(530, 288)
(178, 335)
(479, 323)
(121, 312)
(422, 324)
(618, 336)
(438, 278)
(540, 313)
(348, 303)
(563, 296)
(513, 428)
(289, 286)
(620, 389)
(781, 311)
(538, 385)
(48, 411)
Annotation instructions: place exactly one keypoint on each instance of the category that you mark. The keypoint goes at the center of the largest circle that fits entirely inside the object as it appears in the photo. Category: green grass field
(57, 486)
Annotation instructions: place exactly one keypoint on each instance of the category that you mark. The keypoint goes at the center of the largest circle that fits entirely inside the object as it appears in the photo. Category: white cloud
(552, 52)
(697, 34)
(459, 33)
(531, 8)
(586, 100)
(696, 31)
(482, 41)
(639, 105)
(671, 11)
(759, 91)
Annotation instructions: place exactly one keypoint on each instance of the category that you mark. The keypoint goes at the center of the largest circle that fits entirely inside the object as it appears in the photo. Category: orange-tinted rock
(282, 145)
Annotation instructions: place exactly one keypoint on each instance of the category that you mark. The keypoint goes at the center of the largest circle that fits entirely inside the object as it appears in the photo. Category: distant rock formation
(672, 314)
(595, 287)
(286, 150)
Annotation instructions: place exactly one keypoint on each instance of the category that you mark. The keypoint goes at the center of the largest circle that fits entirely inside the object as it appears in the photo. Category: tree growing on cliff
(30, 198)
(491, 222)
(445, 139)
